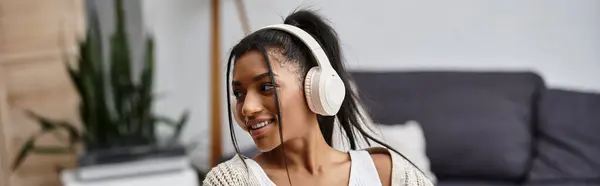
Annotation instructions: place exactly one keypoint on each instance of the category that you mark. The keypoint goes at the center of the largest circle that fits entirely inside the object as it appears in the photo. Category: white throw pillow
(409, 140)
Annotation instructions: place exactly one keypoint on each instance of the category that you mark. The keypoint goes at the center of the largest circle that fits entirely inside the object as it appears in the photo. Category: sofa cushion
(476, 183)
(476, 125)
(565, 182)
(569, 145)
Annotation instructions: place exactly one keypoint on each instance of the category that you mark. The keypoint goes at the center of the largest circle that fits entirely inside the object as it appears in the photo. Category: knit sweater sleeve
(405, 174)
(230, 173)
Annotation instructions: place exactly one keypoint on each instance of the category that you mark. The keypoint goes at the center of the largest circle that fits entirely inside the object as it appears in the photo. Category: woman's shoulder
(401, 171)
(230, 172)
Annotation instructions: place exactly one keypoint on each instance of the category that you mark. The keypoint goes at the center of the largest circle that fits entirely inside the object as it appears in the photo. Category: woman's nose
(252, 104)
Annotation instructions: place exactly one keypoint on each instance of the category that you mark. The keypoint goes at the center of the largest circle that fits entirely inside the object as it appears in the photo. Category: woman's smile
(259, 126)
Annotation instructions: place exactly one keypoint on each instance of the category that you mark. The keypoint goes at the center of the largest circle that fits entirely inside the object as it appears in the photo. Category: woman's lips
(262, 130)
(254, 131)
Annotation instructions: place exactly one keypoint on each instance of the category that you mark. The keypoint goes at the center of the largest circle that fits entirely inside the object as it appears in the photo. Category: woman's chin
(264, 145)
(266, 138)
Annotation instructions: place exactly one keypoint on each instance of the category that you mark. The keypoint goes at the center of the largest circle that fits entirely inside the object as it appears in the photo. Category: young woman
(268, 82)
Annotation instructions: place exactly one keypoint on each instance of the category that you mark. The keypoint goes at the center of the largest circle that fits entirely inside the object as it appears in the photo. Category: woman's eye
(267, 87)
(238, 94)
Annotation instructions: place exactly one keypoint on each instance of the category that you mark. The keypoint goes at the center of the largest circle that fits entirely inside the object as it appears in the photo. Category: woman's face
(255, 109)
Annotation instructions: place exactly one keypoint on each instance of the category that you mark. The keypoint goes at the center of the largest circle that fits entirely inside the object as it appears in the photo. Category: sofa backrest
(568, 147)
(478, 125)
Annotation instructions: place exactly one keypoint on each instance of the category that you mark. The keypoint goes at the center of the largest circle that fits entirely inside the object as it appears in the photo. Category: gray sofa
(492, 128)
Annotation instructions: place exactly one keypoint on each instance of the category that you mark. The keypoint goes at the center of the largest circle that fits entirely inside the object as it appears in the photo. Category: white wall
(560, 39)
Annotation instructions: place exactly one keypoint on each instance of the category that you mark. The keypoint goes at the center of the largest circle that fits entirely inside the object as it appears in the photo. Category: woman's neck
(309, 153)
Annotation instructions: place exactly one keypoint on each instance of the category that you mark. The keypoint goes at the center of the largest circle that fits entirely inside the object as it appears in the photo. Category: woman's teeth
(260, 125)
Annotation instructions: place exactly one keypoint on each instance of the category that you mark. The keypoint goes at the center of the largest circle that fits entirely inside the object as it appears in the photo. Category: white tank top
(362, 170)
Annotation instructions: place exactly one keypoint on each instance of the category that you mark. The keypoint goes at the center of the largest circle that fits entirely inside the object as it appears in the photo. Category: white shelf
(179, 177)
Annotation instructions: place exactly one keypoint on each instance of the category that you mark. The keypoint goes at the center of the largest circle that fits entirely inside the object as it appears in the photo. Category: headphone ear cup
(334, 92)
(311, 90)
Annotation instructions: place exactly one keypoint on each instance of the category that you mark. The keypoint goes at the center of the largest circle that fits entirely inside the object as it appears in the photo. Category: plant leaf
(179, 126)
(74, 134)
(148, 71)
(120, 71)
(45, 124)
(49, 126)
(75, 78)
(182, 121)
(93, 108)
(145, 96)
(25, 150)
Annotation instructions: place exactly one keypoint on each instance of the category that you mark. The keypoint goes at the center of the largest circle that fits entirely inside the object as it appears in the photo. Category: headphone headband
(309, 41)
(323, 88)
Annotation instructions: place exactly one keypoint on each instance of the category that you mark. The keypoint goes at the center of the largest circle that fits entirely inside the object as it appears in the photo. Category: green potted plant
(115, 110)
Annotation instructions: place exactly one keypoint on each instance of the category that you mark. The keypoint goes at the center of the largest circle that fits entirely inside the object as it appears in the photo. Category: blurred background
(525, 47)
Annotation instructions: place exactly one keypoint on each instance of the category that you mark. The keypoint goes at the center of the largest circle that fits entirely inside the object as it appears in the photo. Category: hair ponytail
(348, 116)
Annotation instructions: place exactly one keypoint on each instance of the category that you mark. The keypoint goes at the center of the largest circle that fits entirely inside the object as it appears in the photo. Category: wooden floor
(34, 35)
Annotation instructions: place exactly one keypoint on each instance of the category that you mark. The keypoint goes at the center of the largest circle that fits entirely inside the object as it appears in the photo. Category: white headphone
(323, 87)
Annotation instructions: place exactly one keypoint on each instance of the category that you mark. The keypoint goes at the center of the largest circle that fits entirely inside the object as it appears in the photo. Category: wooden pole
(216, 146)
(243, 16)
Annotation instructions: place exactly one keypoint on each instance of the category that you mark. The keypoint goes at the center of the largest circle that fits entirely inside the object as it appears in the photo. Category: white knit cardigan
(234, 172)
